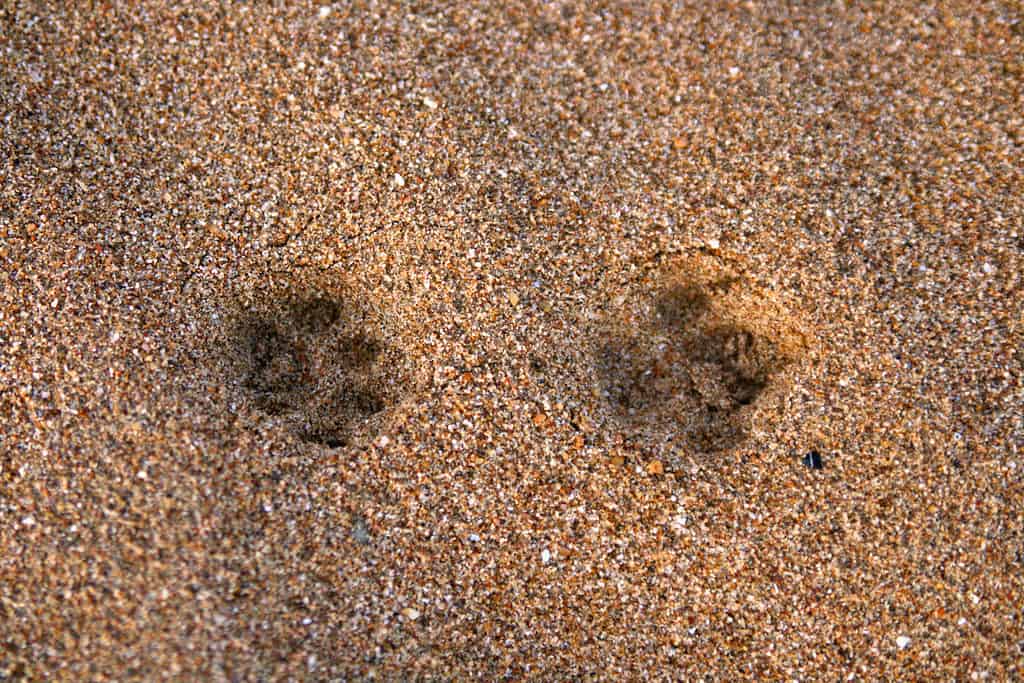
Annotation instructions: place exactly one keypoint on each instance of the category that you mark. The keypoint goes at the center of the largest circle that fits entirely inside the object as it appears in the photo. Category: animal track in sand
(694, 354)
(313, 362)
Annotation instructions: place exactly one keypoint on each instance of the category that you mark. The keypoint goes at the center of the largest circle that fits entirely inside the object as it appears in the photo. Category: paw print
(307, 365)
(695, 365)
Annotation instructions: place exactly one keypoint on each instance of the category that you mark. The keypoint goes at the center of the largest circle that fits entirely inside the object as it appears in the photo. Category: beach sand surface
(511, 341)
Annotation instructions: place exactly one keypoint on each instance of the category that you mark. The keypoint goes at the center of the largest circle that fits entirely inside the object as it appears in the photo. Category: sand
(438, 341)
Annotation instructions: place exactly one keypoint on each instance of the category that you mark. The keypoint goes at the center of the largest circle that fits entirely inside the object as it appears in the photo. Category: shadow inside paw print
(308, 361)
(690, 364)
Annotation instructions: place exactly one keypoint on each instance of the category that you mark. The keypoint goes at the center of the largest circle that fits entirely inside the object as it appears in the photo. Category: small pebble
(813, 460)
(902, 642)
(360, 532)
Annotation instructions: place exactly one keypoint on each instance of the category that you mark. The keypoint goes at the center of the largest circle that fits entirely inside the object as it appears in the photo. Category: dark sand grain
(482, 342)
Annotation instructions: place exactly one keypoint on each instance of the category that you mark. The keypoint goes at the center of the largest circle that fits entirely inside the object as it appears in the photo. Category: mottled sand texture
(450, 341)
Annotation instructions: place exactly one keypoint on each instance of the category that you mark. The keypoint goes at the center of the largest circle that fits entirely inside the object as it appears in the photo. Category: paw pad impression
(693, 353)
(315, 362)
